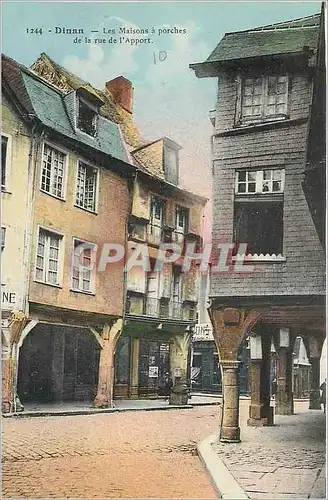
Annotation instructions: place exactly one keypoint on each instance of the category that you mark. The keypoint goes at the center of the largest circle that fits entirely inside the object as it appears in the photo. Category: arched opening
(58, 363)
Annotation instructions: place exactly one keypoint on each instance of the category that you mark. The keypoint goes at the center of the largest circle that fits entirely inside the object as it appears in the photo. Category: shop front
(58, 364)
(143, 357)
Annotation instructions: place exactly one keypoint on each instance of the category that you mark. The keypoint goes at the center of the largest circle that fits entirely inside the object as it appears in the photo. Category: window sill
(5, 190)
(86, 209)
(52, 195)
(86, 133)
(82, 291)
(261, 121)
(254, 127)
(46, 283)
(254, 259)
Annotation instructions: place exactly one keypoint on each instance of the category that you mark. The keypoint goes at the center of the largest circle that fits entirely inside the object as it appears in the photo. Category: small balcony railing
(161, 308)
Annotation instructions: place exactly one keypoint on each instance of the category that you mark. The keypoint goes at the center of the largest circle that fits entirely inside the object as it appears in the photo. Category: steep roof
(283, 38)
(147, 157)
(12, 81)
(67, 81)
(47, 103)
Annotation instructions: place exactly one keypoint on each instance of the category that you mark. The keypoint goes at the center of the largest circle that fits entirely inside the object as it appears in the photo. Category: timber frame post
(109, 338)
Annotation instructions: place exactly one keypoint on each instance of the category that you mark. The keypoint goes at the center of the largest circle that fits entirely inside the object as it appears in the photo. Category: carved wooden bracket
(230, 327)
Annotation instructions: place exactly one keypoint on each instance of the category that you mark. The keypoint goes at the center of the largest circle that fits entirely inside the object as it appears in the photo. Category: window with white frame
(258, 211)
(53, 171)
(263, 98)
(181, 223)
(260, 181)
(4, 160)
(82, 269)
(86, 190)
(48, 257)
(86, 118)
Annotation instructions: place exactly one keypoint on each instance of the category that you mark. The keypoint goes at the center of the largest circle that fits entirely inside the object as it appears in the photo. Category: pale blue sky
(168, 98)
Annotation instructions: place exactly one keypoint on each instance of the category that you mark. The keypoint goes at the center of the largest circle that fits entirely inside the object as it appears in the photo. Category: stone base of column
(102, 402)
(314, 400)
(284, 406)
(134, 392)
(230, 434)
(179, 395)
(260, 415)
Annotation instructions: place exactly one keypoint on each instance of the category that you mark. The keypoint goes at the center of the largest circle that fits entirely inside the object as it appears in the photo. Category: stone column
(267, 411)
(109, 337)
(255, 408)
(313, 345)
(284, 394)
(230, 431)
(315, 384)
(179, 367)
(230, 327)
(260, 411)
(134, 387)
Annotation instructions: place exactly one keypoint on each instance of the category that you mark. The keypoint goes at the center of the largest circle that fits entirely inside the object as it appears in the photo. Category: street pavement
(131, 455)
(152, 454)
(280, 462)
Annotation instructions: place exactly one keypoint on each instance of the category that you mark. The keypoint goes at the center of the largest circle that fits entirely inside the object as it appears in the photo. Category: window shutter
(238, 99)
(136, 280)
(190, 284)
(165, 281)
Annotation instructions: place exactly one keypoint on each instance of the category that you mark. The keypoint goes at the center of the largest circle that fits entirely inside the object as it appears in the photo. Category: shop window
(122, 361)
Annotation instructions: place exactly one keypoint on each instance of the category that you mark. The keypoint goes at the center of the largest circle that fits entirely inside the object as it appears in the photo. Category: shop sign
(203, 331)
(153, 372)
(9, 298)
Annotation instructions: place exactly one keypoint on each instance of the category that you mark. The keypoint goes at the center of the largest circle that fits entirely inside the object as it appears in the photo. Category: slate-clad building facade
(266, 78)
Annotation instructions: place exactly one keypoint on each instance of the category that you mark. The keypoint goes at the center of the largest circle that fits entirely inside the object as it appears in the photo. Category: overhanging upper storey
(278, 42)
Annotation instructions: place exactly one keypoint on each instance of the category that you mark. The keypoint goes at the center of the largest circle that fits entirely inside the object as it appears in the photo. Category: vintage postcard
(163, 255)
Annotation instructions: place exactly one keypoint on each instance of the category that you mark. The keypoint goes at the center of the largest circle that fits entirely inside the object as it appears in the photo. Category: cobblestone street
(137, 454)
(280, 462)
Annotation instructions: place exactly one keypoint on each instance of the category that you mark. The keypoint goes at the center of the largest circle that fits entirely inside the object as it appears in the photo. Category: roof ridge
(280, 23)
(32, 73)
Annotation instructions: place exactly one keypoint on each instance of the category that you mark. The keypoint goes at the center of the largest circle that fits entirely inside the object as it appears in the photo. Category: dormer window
(262, 98)
(171, 161)
(87, 117)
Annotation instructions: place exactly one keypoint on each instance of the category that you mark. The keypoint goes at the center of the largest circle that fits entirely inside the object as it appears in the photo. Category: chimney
(122, 91)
